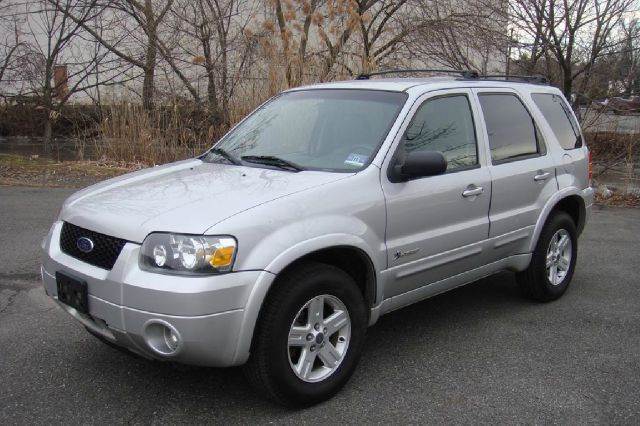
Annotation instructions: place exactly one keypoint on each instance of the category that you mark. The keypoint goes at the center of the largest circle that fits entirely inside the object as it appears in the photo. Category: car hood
(186, 197)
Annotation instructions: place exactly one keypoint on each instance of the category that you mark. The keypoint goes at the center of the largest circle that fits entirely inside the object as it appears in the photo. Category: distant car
(620, 105)
(327, 207)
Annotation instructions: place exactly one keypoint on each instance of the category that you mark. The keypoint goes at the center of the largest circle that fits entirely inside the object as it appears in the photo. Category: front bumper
(208, 313)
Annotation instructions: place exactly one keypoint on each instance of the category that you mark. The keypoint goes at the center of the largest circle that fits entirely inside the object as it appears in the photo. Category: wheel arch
(352, 260)
(350, 256)
(568, 200)
(573, 205)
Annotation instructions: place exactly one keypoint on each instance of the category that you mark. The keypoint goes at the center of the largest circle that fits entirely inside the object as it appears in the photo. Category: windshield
(326, 129)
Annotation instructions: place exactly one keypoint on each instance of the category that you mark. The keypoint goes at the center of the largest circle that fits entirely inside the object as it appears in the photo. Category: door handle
(472, 191)
(541, 176)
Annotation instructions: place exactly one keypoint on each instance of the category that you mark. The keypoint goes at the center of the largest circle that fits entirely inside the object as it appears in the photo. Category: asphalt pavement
(478, 354)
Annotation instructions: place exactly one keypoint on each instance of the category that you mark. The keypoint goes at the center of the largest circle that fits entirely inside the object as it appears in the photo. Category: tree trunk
(224, 83)
(366, 62)
(47, 101)
(285, 43)
(213, 108)
(47, 134)
(567, 84)
(149, 76)
(150, 60)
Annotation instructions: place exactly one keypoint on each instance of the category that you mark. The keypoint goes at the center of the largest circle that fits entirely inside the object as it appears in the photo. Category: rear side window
(445, 125)
(512, 132)
(556, 112)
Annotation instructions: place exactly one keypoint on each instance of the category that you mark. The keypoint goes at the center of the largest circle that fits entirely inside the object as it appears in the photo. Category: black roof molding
(465, 74)
(468, 74)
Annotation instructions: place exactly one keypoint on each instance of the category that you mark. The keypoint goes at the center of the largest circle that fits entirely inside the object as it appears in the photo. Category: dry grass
(128, 133)
(615, 155)
(619, 200)
(36, 171)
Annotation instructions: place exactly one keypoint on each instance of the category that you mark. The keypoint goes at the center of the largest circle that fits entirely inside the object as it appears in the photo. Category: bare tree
(380, 31)
(146, 18)
(575, 33)
(287, 36)
(215, 39)
(534, 46)
(366, 34)
(11, 44)
(149, 17)
(468, 34)
(627, 65)
(345, 18)
(333, 26)
(56, 60)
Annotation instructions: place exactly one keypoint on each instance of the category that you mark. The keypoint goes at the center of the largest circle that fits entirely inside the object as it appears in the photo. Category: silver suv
(327, 207)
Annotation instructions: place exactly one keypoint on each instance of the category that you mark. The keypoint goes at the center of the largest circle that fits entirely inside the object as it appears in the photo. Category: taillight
(590, 168)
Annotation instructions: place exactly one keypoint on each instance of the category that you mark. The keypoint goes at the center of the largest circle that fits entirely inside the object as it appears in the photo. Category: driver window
(445, 125)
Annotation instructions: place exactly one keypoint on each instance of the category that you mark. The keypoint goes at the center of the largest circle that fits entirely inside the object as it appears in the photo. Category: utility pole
(508, 66)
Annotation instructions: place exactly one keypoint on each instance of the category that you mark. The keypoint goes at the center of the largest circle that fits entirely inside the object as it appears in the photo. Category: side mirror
(419, 164)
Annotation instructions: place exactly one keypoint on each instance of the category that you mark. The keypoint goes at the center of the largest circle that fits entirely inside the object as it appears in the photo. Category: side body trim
(515, 263)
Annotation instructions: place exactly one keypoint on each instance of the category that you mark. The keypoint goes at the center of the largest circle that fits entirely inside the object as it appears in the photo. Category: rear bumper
(126, 303)
(588, 195)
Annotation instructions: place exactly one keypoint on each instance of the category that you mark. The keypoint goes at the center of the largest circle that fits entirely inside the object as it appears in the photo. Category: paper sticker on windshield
(357, 160)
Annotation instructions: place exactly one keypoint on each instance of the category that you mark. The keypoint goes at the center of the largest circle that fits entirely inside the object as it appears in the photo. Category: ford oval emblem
(84, 244)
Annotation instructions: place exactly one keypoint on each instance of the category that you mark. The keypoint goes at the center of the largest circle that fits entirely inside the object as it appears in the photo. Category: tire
(270, 368)
(535, 282)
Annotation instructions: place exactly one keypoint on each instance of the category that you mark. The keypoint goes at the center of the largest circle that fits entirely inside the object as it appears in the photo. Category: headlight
(187, 254)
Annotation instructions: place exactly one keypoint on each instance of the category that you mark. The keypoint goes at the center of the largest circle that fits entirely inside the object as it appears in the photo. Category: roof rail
(536, 79)
(464, 73)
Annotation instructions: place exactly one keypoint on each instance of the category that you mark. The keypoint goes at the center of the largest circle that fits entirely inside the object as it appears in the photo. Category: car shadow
(420, 328)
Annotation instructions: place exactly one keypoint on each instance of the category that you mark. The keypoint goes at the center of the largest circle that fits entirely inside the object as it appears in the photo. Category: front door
(436, 225)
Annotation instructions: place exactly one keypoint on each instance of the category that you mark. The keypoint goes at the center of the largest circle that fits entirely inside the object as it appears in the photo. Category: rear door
(522, 170)
(436, 225)
(572, 160)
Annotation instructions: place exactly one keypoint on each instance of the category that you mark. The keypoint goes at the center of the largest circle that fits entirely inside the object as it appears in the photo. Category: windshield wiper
(271, 160)
(224, 154)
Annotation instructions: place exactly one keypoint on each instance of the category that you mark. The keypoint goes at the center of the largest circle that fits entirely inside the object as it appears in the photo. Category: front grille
(105, 251)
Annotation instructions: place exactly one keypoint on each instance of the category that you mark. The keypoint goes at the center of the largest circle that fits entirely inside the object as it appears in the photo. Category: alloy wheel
(319, 338)
(559, 255)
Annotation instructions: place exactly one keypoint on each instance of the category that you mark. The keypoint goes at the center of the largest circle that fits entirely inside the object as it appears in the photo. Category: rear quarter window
(556, 112)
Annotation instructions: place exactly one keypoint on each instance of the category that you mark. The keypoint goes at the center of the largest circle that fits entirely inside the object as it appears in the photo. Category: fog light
(162, 338)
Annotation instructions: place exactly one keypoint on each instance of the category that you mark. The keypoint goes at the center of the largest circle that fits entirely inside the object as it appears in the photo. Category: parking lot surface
(478, 354)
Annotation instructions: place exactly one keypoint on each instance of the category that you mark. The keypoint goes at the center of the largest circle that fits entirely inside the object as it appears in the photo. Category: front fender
(348, 212)
(277, 265)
